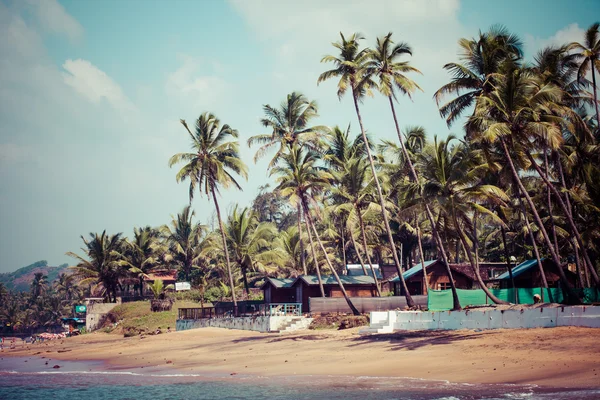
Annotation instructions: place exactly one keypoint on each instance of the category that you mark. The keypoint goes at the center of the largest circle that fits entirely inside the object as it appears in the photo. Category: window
(444, 286)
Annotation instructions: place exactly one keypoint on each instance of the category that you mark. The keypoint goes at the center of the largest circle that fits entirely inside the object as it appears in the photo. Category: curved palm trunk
(422, 258)
(366, 247)
(569, 216)
(577, 263)
(509, 263)
(595, 99)
(302, 256)
(409, 300)
(314, 253)
(536, 252)
(473, 262)
(549, 200)
(536, 216)
(226, 250)
(436, 235)
(360, 259)
(337, 278)
(245, 279)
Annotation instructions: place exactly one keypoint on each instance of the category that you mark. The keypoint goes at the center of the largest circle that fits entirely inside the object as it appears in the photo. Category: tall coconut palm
(392, 80)
(66, 287)
(351, 69)
(480, 58)
(588, 53)
(39, 285)
(104, 264)
(212, 164)
(452, 178)
(503, 117)
(143, 253)
(290, 125)
(300, 179)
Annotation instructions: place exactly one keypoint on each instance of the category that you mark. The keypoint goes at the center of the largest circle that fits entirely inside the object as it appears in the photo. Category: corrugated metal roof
(356, 270)
(330, 279)
(414, 270)
(519, 269)
(279, 282)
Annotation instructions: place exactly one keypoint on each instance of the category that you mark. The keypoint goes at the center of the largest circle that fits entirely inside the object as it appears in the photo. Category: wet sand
(556, 357)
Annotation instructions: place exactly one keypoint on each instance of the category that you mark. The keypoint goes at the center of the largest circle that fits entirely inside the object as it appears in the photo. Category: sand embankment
(555, 357)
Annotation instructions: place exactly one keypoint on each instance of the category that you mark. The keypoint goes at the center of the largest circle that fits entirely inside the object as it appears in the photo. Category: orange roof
(162, 275)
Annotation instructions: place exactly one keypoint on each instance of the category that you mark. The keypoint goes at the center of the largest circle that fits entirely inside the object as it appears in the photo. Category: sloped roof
(414, 270)
(161, 275)
(356, 270)
(279, 283)
(330, 279)
(519, 269)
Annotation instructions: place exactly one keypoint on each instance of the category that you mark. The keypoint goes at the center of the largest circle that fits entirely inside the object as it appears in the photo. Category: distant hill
(21, 279)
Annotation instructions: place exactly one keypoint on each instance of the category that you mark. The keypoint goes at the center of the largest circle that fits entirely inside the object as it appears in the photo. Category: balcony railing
(244, 309)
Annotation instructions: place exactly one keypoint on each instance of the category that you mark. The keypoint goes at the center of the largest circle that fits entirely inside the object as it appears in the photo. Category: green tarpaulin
(441, 300)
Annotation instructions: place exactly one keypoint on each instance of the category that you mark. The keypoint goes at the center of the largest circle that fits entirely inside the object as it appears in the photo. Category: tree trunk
(577, 263)
(409, 300)
(549, 200)
(595, 99)
(366, 246)
(362, 264)
(314, 253)
(302, 257)
(533, 241)
(473, 263)
(245, 279)
(434, 231)
(509, 264)
(422, 257)
(226, 250)
(537, 218)
(570, 220)
(360, 259)
(343, 236)
(337, 278)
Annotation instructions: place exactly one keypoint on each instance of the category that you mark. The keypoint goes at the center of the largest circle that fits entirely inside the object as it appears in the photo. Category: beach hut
(527, 275)
(308, 286)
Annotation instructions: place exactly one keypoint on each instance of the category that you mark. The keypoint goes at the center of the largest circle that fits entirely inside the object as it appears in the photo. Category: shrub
(338, 321)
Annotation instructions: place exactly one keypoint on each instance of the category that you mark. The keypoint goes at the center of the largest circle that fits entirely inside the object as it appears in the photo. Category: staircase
(385, 326)
(294, 324)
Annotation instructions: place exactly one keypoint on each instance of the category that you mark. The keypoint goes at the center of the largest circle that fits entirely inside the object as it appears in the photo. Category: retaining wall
(325, 305)
(94, 314)
(585, 316)
(259, 324)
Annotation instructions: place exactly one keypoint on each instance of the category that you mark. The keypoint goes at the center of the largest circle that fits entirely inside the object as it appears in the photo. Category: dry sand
(555, 357)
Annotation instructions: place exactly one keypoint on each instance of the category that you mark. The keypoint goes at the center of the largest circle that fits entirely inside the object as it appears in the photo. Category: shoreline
(557, 358)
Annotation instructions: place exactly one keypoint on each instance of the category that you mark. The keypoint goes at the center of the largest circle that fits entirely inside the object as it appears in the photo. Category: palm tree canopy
(214, 159)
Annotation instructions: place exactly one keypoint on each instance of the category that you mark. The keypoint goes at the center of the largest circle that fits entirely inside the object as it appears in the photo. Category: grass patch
(338, 321)
(135, 318)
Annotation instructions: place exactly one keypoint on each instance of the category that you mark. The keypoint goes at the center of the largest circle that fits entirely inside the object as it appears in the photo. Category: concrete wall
(326, 305)
(95, 312)
(388, 321)
(260, 324)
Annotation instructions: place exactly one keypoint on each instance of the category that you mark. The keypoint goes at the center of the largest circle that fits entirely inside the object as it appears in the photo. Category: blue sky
(91, 93)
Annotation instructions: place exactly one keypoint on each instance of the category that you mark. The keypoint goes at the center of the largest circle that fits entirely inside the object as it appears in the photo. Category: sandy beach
(558, 357)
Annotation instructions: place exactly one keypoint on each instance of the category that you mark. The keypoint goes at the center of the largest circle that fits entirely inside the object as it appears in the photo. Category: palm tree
(214, 160)
(104, 266)
(249, 240)
(480, 58)
(351, 69)
(589, 54)
(300, 179)
(143, 253)
(185, 241)
(66, 287)
(290, 126)
(505, 117)
(453, 180)
(39, 285)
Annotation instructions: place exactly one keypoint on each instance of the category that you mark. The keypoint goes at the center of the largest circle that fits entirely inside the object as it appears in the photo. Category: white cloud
(191, 81)
(94, 84)
(53, 17)
(570, 33)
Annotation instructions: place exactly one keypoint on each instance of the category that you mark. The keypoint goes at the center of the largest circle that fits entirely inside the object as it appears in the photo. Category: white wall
(260, 324)
(388, 321)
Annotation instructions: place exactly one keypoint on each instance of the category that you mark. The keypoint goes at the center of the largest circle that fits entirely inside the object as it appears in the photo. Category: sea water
(32, 378)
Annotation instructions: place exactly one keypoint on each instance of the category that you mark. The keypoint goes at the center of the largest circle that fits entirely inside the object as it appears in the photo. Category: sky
(91, 93)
